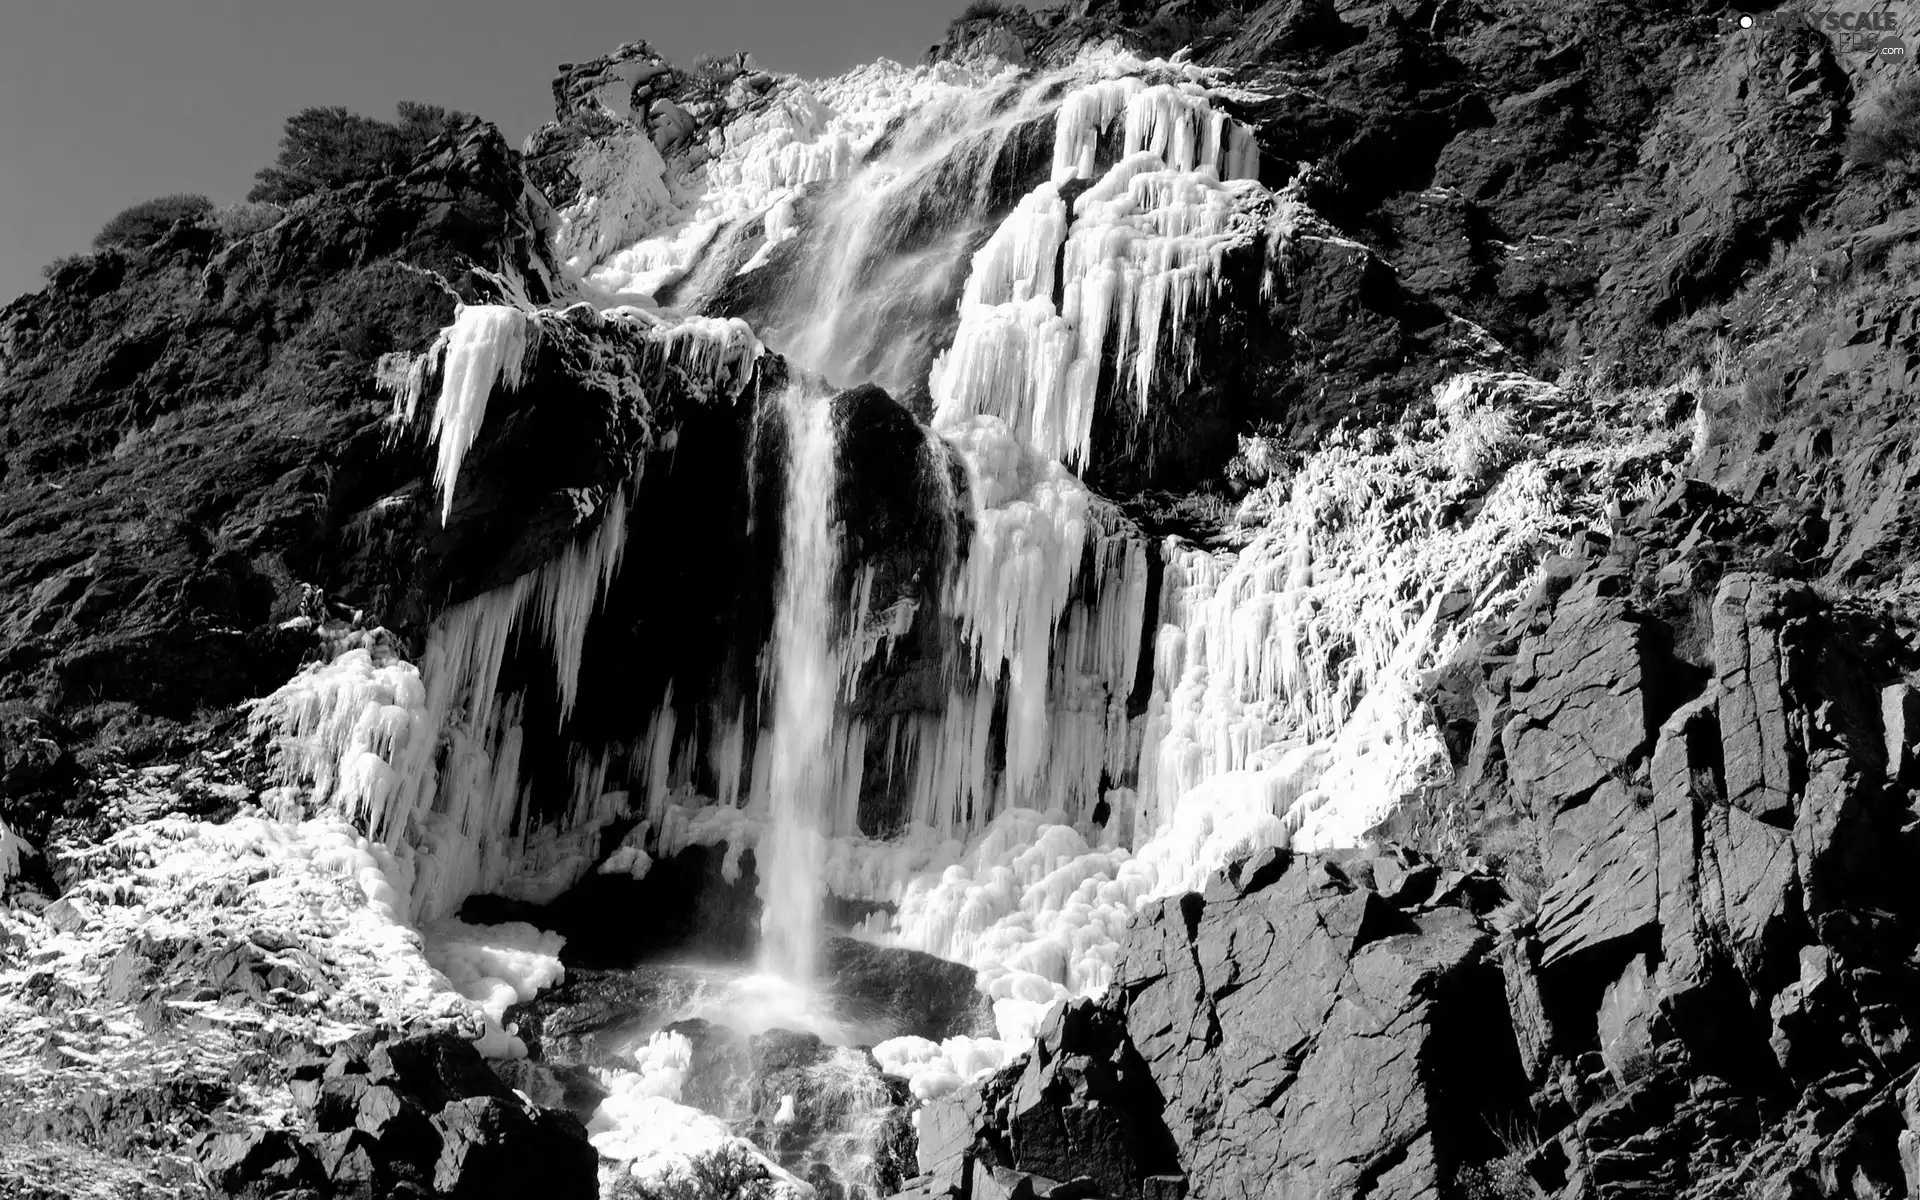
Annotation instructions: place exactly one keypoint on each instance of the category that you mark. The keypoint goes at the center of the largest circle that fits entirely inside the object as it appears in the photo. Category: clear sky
(107, 102)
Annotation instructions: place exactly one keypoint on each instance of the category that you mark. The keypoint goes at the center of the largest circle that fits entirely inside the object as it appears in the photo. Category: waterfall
(806, 681)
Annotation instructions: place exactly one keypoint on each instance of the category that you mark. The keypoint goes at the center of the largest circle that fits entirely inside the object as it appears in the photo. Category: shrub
(717, 68)
(1763, 396)
(1515, 852)
(235, 221)
(57, 265)
(732, 1171)
(1166, 32)
(986, 10)
(1888, 137)
(150, 220)
(330, 147)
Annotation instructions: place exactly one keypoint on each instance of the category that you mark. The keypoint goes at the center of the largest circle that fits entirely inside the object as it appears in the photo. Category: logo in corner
(1871, 28)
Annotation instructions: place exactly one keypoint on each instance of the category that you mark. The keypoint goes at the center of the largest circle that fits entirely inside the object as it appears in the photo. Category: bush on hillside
(235, 221)
(59, 264)
(1887, 137)
(985, 10)
(717, 68)
(1166, 32)
(148, 221)
(330, 147)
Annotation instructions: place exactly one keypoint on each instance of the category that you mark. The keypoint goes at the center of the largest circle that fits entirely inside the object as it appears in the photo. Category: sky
(104, 103)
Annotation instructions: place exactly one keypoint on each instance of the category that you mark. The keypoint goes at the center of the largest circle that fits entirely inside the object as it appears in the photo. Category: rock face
(189, 431)
(1080, 1116)
(1711, 991)
(1298, 1028)
(1292, 1031)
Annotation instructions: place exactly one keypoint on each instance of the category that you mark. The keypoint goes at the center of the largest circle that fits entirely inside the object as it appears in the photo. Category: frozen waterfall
(1030, 256)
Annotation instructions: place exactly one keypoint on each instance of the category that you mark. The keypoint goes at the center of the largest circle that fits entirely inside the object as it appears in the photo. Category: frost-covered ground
(191, 963)
(196, 960)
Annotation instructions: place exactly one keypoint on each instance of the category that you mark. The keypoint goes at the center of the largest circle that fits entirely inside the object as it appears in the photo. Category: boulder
(1580, 713)
(572, 1088)
(432, 1070)
(496, 1148)
(256, 1162)
(1296, 1031)
(906, 990)
(427, 1112)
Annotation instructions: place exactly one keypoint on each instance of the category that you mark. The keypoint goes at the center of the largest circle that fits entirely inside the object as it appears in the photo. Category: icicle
(369, 730)
(658, 762)
(571, 587)
(726, 756)
(1084, 116)
(486, 346)
(1144, 251)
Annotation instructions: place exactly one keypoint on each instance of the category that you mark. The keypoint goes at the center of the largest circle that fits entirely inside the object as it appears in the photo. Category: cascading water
(806, 683)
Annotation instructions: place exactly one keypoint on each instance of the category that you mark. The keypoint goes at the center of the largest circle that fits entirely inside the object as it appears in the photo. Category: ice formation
(934, 1069)
(485, 347)
(1144, 249)
(426, 758)
(639, 226)
(1284, 708)
(13, 847)
(1285, 702)
(496, 967)
(309, 902)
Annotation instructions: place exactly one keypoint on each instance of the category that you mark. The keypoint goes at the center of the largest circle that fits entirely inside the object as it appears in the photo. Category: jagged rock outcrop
(1306, 1026)
(1080, 1116)
(196, 451)
(1712, 987)
(1298, 1028)
(421, 1116)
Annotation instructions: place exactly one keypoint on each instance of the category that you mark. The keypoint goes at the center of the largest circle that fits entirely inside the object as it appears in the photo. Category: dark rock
(1295, 1035)
(1601, 859)
(256, 1162)
(572, 1088)
(1580, 713)
(433, 1070)
(591, 1015)
(949, 1129)
(700, 911)
(496, 1148)
(348, 1156)
(904, 991)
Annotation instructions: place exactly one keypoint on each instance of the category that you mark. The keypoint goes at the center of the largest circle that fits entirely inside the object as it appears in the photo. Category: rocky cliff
(1591, 304)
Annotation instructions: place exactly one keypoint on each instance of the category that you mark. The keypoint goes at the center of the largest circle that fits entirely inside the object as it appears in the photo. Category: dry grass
(1504, 1177)
(1514, 851)
(985, 10)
